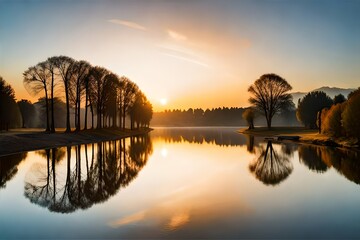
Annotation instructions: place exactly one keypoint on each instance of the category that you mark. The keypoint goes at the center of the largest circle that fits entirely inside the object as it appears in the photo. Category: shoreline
(18, 142)
(306, 136)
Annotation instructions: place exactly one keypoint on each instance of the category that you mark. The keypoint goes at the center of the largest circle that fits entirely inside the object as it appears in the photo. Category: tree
(140, 111)
(9, 110)
(309, 107)
(65, 66)
(36, 79)
(270, 95)
(271, 168)
(80, 74)
(339, 99)
(128, 94)
(353, 93)
(249, 115)
(27, 110)
(332, 121)
(351, 116)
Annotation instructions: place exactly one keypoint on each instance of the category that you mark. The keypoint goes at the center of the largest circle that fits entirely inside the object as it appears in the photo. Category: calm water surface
(181, 183)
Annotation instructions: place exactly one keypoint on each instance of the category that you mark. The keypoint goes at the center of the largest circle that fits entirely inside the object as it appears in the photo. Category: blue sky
(193, 53)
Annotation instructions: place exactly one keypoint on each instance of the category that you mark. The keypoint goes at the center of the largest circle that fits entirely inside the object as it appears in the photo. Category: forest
(74, 95)
(224, 116)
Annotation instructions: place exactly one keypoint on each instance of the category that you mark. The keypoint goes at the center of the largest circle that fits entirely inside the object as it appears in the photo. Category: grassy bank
(306, 135)
(29, 140)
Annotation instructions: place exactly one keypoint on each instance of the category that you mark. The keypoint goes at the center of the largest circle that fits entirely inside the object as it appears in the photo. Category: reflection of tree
(88, 178)
(221, 137)
(345, 161)
(250, 143)
(8, 167)
(310, 156)
(271, 167)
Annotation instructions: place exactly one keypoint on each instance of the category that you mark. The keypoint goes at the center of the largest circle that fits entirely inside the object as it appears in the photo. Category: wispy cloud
(176, 35)
(186, 59)
(128, 24)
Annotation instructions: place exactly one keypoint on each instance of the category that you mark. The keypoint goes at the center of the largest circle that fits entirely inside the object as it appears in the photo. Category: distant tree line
(224, 116)
(92, 95)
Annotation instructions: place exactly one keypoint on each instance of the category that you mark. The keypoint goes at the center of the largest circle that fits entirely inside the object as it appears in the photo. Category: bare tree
(36, 79)
(270, 95)
(98, 75)
(128, 94)
(65, 68)
(80, 73)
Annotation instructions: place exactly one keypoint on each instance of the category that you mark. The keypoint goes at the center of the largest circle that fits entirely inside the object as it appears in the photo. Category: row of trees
(99, 91)
(340, 117)
(336, 117)
(224, 116)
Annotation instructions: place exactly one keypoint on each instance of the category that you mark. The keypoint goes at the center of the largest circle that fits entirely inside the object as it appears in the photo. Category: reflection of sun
(178, 220)
(163, 101)
(164, 152)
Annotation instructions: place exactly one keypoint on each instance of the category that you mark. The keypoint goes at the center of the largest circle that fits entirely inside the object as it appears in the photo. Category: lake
(181, 183)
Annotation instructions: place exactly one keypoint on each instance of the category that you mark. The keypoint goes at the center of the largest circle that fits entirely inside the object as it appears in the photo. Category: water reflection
(319, 159)
(220, 136)
(272, 167)
(8, 167)
(311, 156)
(86, 178)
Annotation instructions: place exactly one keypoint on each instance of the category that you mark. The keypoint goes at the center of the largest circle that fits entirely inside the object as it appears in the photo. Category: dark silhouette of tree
(270, 95)
(140, 111)
(65, 66)
(310, 106)
(339, 99)
(59, 112)
(351, 116)
(36, 79)
(28, 112)
(250, 143)
(112, 165)
(98, 75)
(10, 116)
(109, 97)
(51, 67)
(249, 116)
(81, 71)
(8, 167)
(310, 156)
(128, 95)
(271, 168)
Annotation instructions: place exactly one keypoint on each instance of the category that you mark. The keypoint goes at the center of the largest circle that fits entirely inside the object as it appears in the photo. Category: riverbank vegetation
(74, 94)
(337, 120)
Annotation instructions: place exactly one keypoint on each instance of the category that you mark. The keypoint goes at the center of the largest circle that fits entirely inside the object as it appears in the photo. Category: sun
(163, 101)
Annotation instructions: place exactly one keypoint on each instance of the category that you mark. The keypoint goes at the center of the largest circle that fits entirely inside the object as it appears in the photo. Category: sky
(199, 53)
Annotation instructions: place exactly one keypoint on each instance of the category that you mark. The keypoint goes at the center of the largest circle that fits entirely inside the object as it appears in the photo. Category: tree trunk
(124, 116)
(268, 121)
(47, 111)
(52, 104)
(68, 128)
(86, 108)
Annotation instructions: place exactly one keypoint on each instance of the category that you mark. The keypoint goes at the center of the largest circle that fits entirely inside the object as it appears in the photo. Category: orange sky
(193, 54)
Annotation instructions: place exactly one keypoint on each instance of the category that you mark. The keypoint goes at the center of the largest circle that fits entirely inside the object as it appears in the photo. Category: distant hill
(331, 91)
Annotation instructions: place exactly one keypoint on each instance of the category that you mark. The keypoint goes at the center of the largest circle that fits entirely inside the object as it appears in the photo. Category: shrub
(332, 121)
(249, 115)
(351, 117)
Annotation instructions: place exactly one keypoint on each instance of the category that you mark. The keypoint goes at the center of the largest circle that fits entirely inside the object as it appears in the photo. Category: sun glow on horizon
(163, 101)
